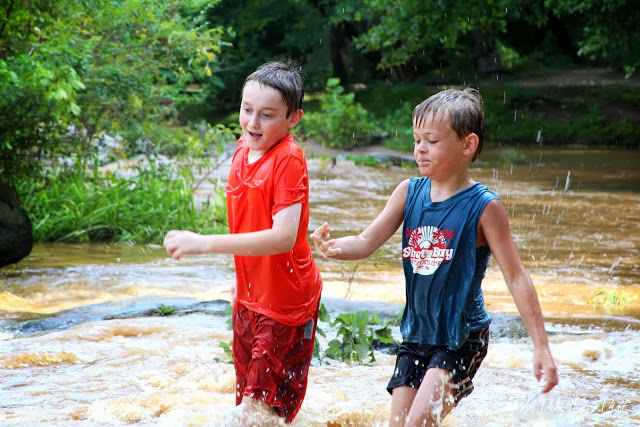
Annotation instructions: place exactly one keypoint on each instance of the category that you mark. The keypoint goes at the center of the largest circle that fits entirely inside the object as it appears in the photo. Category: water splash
(567, 181)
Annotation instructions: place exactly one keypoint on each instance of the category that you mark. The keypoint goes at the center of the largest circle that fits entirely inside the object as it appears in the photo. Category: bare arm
(278, 239)
(375, 235)
(494, 226)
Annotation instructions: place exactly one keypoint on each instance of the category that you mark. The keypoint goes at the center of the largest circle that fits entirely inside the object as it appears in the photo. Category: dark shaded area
(16, 237)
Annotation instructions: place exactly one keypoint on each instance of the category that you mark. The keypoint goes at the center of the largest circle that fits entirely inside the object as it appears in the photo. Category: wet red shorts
(272, 360)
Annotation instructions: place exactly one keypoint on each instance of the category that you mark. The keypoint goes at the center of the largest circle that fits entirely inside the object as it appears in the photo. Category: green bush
(342, 123)
(516, 114)
(77, 205)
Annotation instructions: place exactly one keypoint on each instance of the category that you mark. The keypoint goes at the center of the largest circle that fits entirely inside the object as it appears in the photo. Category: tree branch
(4, 24)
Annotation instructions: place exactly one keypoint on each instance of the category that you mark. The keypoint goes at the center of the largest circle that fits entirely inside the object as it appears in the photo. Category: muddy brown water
(73, 350)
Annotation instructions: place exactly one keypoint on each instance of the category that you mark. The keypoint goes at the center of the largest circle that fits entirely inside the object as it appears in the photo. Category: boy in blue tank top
(452, 225)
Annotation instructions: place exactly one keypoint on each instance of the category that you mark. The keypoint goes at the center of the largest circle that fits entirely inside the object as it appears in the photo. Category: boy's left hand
(544, 366)
(323, 242)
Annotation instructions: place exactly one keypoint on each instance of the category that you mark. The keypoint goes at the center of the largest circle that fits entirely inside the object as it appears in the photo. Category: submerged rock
(147, 306)
(503, 326)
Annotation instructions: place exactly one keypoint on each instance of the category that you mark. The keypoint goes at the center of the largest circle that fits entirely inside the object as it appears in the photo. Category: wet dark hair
(464, 106)
(283, 77)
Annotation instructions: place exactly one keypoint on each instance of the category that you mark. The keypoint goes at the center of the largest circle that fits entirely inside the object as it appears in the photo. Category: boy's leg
(433, 379)
(243, 331)
(433, 400)
(272, 360)
(401, 401)
(427, 405)
(296, 364)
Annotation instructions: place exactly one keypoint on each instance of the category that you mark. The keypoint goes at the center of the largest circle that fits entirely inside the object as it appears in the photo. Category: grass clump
(80, 205)
(165, 310)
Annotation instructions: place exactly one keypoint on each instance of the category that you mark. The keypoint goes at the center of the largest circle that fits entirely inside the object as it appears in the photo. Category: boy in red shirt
(278, 285)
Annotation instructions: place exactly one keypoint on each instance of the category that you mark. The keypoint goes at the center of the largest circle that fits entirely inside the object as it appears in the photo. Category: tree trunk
(339, 57)
(486, 53)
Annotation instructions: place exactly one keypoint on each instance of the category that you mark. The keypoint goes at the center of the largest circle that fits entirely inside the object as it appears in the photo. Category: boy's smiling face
(263, 117)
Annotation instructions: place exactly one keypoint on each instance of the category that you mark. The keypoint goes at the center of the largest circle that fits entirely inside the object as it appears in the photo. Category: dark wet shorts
(414, 360)
(272, 360)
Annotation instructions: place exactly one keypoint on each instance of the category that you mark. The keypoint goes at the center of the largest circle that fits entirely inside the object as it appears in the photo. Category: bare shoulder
(494, 208)
(400, 193)
(403, 186)
(494, 223)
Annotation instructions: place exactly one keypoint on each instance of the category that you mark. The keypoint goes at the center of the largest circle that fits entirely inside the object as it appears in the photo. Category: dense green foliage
(355, 336)
(340, 122)
(515, 114)
(77, 205)
(572, 115)
(73, 71)
(151, 73)
(418, 33)
(88, 79)
(606, 29)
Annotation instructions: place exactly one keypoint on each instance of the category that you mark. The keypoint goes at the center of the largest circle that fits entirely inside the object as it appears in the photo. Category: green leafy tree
(412, 34)
(76, 70)
(608, 29)
(273, 30)
(342, 123)
(409, 31)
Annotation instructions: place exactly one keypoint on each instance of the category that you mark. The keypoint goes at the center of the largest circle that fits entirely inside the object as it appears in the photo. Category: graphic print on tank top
(427, 248)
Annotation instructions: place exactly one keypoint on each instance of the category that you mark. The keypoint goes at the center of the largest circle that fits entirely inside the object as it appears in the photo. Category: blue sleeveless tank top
(443, 268)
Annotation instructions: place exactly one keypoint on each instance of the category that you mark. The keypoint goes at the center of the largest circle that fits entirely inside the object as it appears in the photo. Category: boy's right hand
(323, 242)
(181, 242)
(545, 367)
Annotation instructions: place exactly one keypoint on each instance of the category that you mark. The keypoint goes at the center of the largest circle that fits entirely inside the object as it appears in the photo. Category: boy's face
(263, 116)
(437, 149)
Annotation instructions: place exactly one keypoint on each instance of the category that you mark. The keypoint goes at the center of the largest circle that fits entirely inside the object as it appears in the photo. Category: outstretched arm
(375, 235)
(494, 227)
(278, 239)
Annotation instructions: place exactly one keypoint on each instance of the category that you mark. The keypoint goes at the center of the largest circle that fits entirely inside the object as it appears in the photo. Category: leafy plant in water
(165, 310)
(356, 332)
(227, 346)
(398, 318)
(512, 157)
(228, 350)
(323, 316)
(229, 310)
(611, 298)
(355, 337)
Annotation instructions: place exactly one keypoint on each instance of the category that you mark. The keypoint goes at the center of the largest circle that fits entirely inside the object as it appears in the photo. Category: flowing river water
(81, 341)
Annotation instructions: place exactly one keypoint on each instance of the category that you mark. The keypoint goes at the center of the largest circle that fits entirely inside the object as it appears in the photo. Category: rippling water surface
(81, 341)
